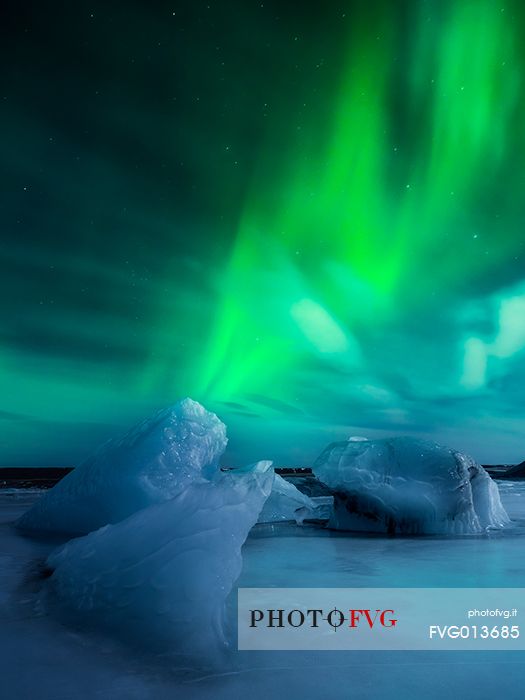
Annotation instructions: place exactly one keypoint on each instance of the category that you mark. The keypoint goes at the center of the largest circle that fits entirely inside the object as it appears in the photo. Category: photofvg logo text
(380, 618)
(315, 617)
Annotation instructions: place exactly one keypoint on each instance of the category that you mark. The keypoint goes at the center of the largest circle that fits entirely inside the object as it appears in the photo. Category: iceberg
(151, 463)
(286, 502)
(408, 486)
(162, 576)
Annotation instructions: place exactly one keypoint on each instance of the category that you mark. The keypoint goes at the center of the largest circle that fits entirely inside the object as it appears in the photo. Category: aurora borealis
(310, 218)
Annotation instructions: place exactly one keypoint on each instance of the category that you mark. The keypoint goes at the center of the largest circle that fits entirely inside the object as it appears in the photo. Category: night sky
(308, 216)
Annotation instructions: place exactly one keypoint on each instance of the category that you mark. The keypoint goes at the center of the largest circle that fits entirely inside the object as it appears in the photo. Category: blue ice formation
(162, 575)
(407, 486)
(151, 463)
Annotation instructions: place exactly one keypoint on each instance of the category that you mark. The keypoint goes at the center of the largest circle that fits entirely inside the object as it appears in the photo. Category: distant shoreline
(31, 477)
(47, 477)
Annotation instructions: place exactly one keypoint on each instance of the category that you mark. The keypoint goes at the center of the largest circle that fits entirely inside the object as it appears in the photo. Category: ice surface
(408, 486)
(50, 661)
(162, 575)
(151, 463)
(286, 502)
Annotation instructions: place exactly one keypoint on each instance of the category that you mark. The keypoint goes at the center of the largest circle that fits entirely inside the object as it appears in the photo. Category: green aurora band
(368, 225)
(374, 282)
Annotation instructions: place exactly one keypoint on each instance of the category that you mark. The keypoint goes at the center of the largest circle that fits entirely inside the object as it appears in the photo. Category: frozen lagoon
(42, 658)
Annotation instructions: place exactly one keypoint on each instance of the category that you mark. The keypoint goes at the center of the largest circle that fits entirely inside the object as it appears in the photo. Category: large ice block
(161, 576)
(408, 486)
(151, 463)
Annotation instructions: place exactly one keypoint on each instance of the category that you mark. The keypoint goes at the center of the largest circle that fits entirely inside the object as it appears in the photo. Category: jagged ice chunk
(162, 576)
(151, 463)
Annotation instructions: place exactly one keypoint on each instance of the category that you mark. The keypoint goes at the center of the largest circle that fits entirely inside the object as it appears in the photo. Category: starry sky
(308, 216)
